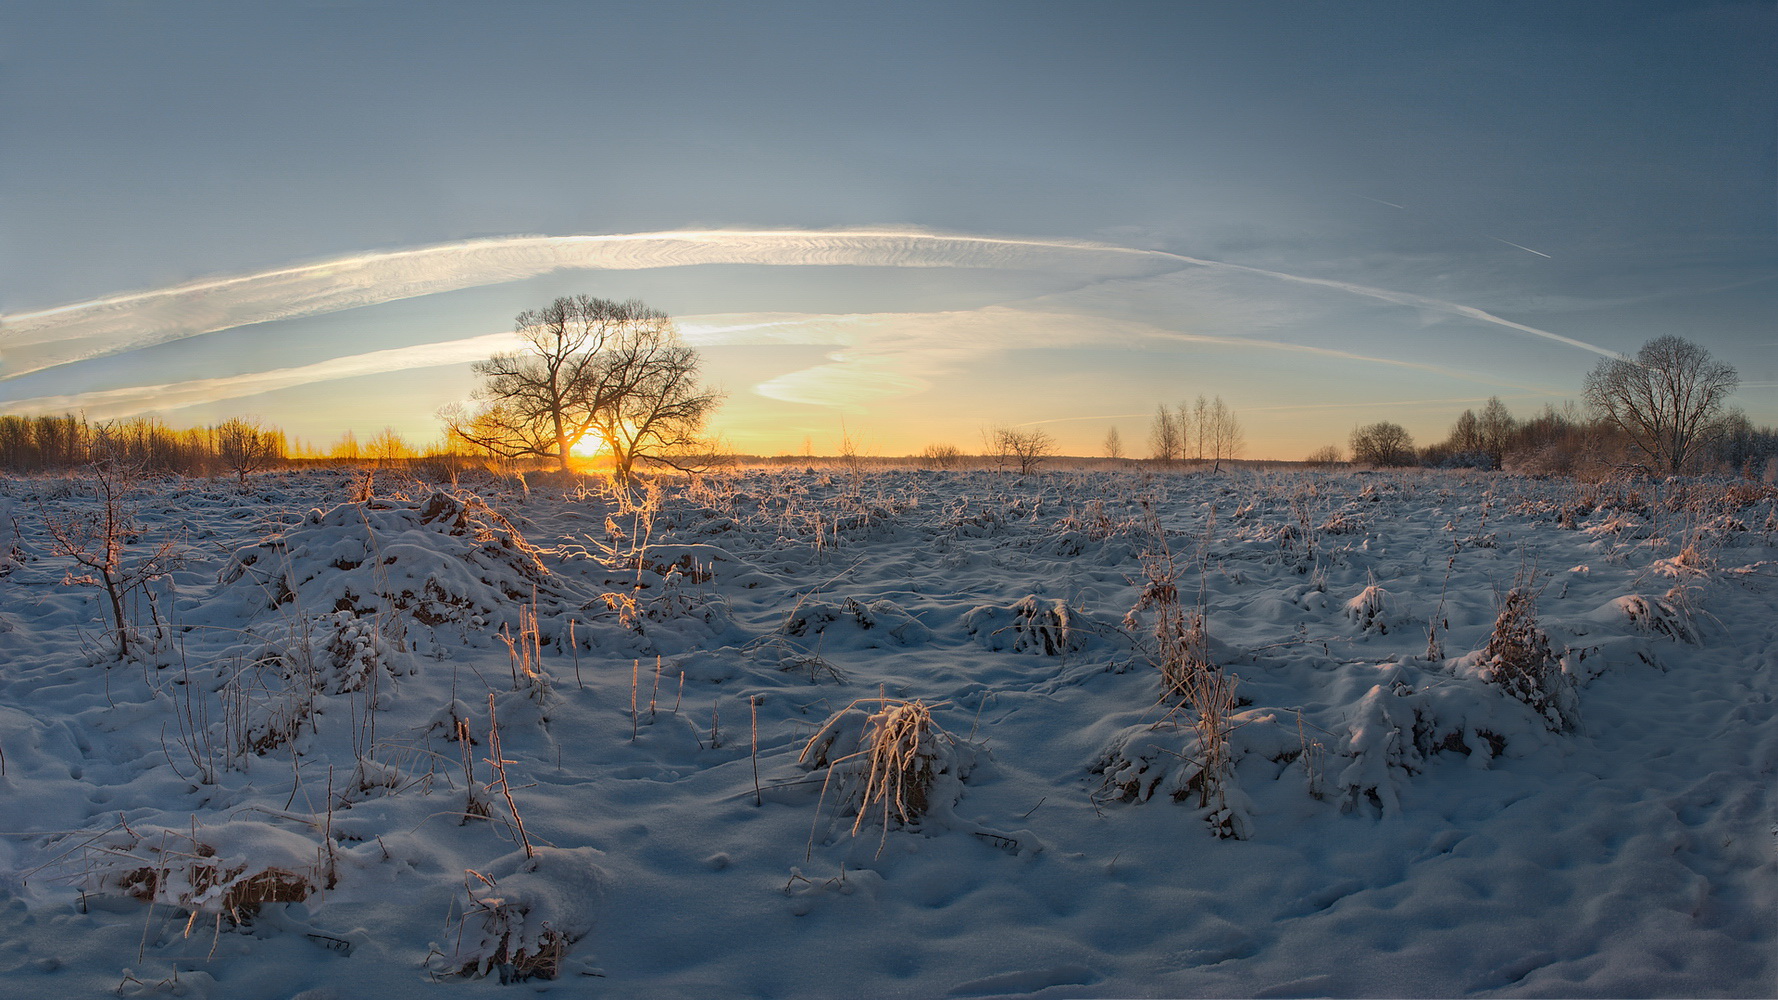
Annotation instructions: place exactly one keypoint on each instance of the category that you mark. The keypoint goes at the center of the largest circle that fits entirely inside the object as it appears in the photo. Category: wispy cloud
(34, 341)
(107, 404)
(876, 356)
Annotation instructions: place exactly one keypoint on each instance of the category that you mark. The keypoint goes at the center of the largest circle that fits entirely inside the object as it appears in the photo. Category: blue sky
(1588, 176)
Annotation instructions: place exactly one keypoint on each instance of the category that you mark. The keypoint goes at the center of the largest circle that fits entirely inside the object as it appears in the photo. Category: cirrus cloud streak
(42, 339)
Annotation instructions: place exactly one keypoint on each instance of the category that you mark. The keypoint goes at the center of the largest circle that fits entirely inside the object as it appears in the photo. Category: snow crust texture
(897, 734)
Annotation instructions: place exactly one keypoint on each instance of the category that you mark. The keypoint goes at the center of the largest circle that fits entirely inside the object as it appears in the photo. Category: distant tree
(942, 456)
(1223, 432)
(1663, 399)
(1382, 444)
(387, 447)
(345, 449)
(1163, 435)
(1466, 434)
(1025, 447)
(1324, 458)
(1496, 429)
(1114, 444)
(1197, 432)
(245, 447)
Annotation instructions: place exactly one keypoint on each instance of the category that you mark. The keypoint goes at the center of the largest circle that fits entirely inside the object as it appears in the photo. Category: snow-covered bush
(1396, 728)
(1135, 766)
(1653, 615)
(881, 623)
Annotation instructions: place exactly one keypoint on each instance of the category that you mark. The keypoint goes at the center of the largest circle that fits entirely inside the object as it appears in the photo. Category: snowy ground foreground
(1389, 851)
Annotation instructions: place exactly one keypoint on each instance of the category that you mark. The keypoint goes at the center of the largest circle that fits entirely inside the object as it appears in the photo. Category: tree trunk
(123, 635)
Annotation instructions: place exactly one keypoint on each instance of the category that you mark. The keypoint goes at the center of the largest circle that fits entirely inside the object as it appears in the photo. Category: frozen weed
(1369, 609)
(1519, 661)
(887, 761)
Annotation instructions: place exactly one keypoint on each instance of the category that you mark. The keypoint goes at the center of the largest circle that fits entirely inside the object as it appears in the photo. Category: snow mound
(226, 870)
(523, 915)
(443, 559)
(877, 624)
(1033, 625)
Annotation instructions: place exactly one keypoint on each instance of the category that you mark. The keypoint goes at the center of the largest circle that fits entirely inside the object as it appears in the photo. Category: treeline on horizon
(1555, 441)
(51, 443)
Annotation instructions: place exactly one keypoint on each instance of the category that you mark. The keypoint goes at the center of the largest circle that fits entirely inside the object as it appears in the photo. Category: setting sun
(592, 446)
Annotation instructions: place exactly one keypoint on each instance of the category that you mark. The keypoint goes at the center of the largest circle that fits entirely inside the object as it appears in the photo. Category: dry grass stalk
(1189, 679)
(525, 654)
(474, 806)
(498, 761)
(898, 758)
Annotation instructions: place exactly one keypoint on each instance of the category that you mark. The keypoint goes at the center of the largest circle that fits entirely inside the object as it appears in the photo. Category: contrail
(880, 355)
(1527, 249)
(34, 341)
(1380, 201)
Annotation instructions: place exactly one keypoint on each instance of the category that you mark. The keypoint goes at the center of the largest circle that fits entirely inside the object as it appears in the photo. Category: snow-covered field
(294, 763)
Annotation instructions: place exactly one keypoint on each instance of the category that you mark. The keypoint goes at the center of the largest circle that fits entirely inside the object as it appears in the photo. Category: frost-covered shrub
(1519, 661)
(352, 651)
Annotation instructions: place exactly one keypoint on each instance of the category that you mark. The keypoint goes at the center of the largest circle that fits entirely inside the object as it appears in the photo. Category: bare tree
(1114, 444)
(98, 542)
(245, 447)
(345, 449)
(1025, 447)
(1325, 457)
(1382, 444)
(617, 370)
(942, 456)
(1663, 399)
(1466, 433)
(1496, 429)
(387, 447)
(1195, 433)
(1163, 435)
(650, 404)
(1224, 433)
